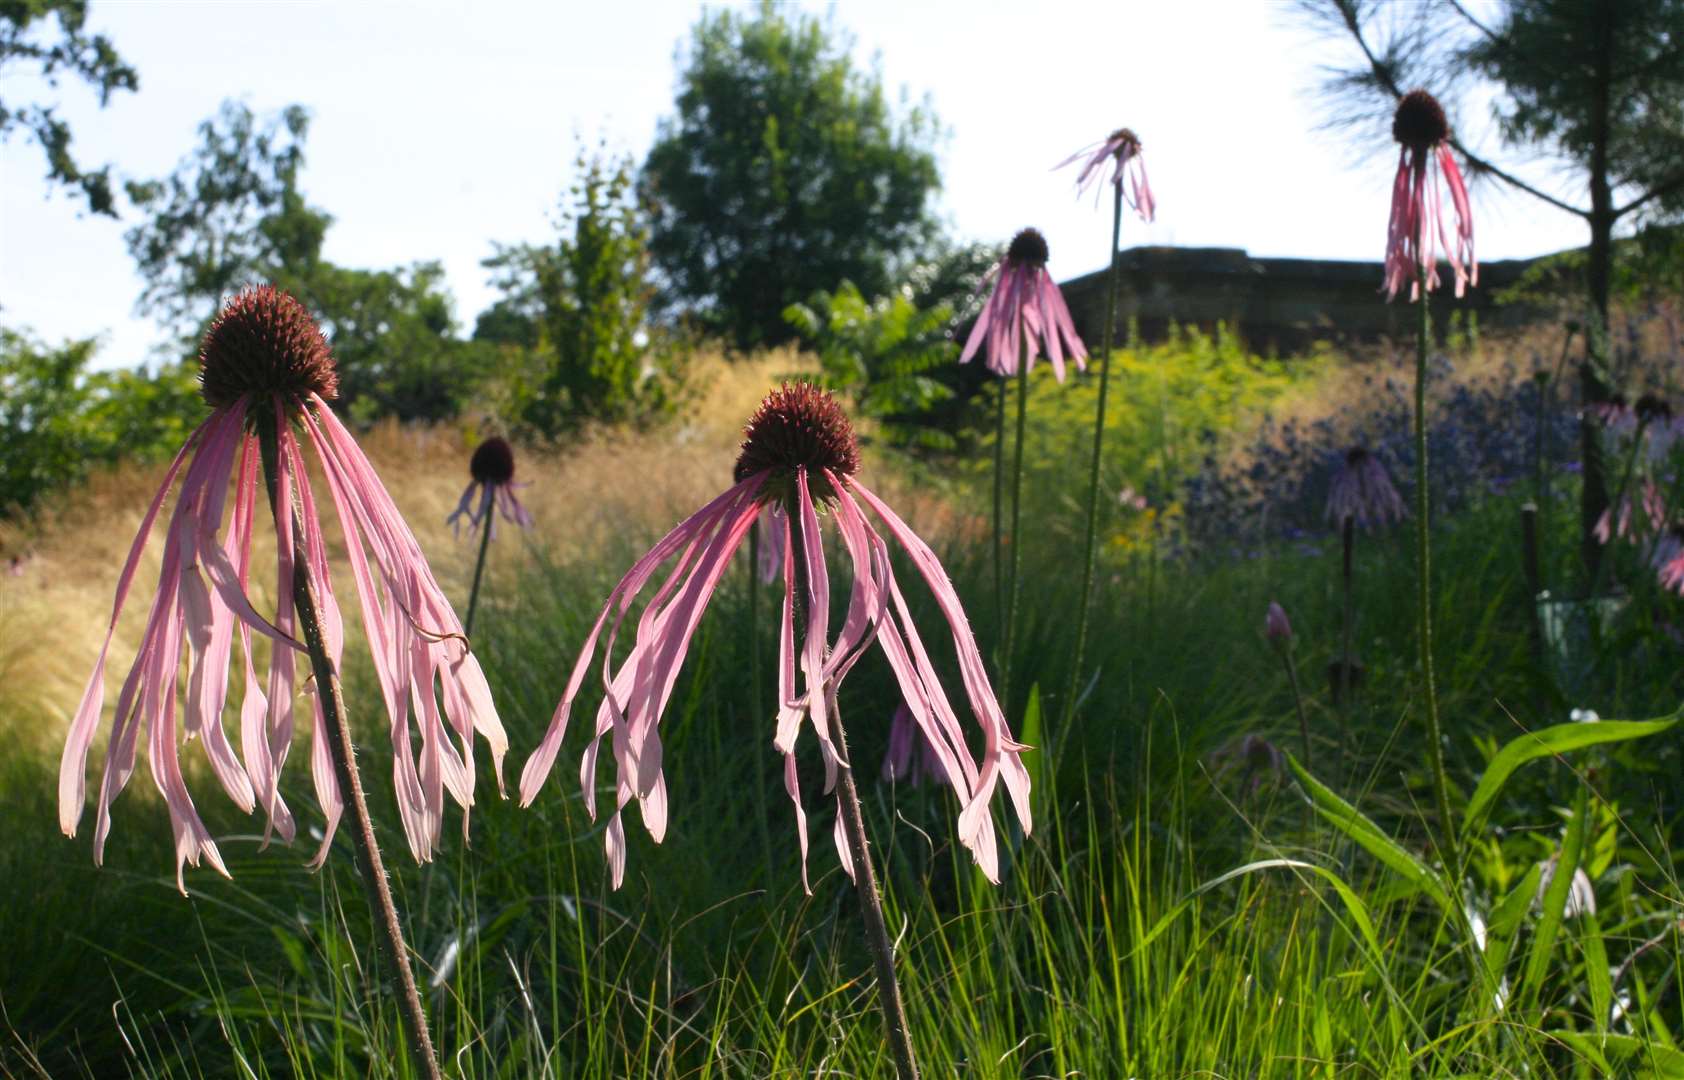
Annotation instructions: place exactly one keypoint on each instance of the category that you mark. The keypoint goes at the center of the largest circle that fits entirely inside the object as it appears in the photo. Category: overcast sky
(438, 128)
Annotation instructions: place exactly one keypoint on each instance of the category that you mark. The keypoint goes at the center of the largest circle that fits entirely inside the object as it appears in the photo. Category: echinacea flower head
(1361, 491)
(492, 487)
(1276, 627)
(1025, 315)
(1119, 150)
(799, 455)
(265, 367)
(1425, 166)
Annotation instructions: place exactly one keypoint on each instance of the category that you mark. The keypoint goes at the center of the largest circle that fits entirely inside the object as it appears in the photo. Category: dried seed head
(798, 425)
(1651, 408)
(262, 344)
(1419, 122)
(493, 462)
(1029, 248)
(1125, 138)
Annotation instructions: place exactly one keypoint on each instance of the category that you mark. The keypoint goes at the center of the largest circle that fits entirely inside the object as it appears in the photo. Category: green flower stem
(388, 936)
(1423, 592)
(1010, 632)
(865, 875)
(1088, 558)
(479, 566)
(999, 543)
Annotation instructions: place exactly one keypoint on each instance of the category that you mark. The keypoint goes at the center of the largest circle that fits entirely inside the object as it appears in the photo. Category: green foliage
(783, 173)
(393, 336)
(58, 420)
(90, 58)
(886, 355)
(579, 312)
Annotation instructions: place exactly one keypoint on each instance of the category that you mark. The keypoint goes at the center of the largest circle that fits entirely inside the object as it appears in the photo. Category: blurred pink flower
(1025, 312)
(1616, 520)
(1669, 559)
(1424, 160)
(1275, 625)
(1121, 150)
(799, 454)
(1361, 490)
(493, 470)
(911, 758)
(264, 362)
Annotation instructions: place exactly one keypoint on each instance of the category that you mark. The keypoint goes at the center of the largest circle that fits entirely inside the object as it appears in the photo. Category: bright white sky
(438, 128)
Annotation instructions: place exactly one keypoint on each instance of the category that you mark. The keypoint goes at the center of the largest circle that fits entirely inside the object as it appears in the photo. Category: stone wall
(1274, 304)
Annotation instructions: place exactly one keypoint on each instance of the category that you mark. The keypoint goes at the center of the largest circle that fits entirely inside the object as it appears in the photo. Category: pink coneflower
(1361, 490)
(265, 366)
(1025, 313)
(492, 488)
(1616, 520)
(798, 453)
(1276, 626)
(1424, 158)
(911, 758)
(1669, 558)
(1121, 150)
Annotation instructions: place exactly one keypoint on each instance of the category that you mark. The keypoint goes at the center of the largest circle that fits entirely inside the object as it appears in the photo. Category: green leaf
(1619, 1054)
(1354, 824)
(1548, 743)
(1555, 901)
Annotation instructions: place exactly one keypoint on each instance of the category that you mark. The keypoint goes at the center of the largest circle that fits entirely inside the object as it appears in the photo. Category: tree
(24, 38)
(782, 174)
(579, 310)
(229, 216)
(232, 215)
(1592, 87)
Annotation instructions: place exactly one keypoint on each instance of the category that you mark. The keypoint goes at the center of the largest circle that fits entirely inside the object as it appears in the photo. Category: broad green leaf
(1354, 824)
(1623, 1055)
(1548, 743)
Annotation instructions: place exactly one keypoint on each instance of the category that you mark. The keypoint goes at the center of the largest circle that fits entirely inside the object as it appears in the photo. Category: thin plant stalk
(1088, 558)
(755, 697)
(479, 564)
(1297, 703)
(999, 519)
(899, 1032)
(1347, 623)
(1010, 632)
(1423, 592)
(389, 940)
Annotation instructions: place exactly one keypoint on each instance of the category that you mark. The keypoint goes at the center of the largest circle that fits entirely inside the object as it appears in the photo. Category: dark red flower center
(1029, 248)
(262, 344)
(1420, 122)
(1652, 407)
(1125, 137)
(493, 462)
(1356, 455)
(798, 426)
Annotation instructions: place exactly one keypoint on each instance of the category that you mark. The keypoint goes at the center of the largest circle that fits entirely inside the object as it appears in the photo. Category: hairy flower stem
(479, 565)
(388, 937)
(1423, 592)
(1010, 632)
(1088, 558)
(1347, 620)
(1297, 703)
(865, 876)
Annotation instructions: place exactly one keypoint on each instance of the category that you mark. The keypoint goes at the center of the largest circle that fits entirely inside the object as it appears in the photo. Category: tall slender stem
(1088, 558)
(1017, 530)
(1347, 627)
(865, 875)
(490, 503)
(388, 937)
(1423, 593)
(999, 521)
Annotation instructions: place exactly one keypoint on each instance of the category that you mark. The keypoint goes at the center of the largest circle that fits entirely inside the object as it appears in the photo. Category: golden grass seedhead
(1419, 122)
(798, 425)
(493, 462)
(1029, 248)
(262, 344)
